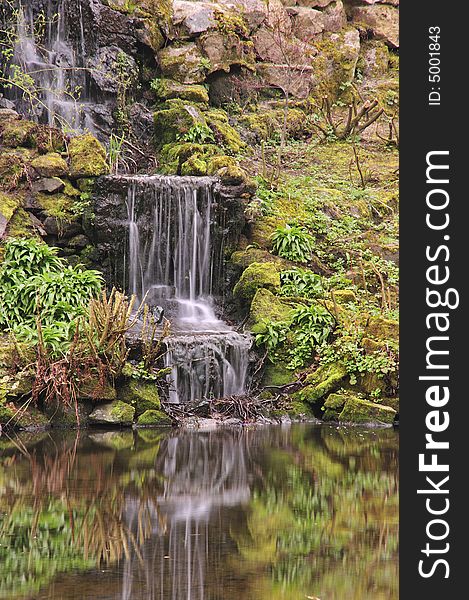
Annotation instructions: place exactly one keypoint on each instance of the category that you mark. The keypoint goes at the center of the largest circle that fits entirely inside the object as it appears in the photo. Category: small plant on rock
(293, 242)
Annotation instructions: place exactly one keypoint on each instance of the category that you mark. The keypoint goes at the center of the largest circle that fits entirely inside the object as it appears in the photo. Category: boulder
(374, 58)
(9, 203)
(183, 63)
(192, 18)
(361, 412)
(381, 19)
(224, 50)
(382, 329)
(173, 120)
(256, 276)
(50, 165)
(152, 418)
(109, 66)
(334, 16)
(326, 379)
(307, 22)
(113, 413)
(167, 89)
(266, 307)
(15, 132)
(47, 184)
(142, 395)
(87, 157)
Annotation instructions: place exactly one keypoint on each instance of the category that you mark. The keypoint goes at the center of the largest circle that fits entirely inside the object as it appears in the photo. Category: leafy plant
(198, 134)
(293, 242)
(273, 335)
(300, 282)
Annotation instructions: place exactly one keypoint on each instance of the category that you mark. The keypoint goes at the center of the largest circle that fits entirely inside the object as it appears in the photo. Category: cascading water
(56, 66)
(172, 261)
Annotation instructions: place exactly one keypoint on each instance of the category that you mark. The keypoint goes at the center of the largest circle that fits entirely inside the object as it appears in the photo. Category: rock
(374, 58)
(192, 18)
(7, 105)
(152, 418)
(142, 395)
(50, 165)
(224, 50)
(307, 22)
(257, 275)
(184, 63)
(16, 132)
(382, 329)
(277, 374)
(87, 157)
(314, 3)
(174, 120)
(65, 415)
(97, 391)
(9, 203)
(109, 66)
(334, 16)
(298, 83)
(344, 296)
(12, 171)
(254, 12)
(266, 307)
(47, 184)
(168, 89)
(361, 412)
(382, 20)
(325, 379)
(244, 258)
(113, 413)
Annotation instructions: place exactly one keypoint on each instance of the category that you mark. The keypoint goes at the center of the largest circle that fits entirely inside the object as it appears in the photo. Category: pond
(282, 512)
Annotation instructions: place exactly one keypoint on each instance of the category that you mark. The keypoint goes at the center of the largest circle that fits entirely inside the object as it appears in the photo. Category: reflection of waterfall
(44, 52)
(173, 257)
(205, 474)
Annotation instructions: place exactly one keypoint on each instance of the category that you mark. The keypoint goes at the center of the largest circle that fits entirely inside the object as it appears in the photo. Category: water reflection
(272, 513)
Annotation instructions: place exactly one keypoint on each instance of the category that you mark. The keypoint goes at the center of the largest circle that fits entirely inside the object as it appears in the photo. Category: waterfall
(172, 260)
(56, 66)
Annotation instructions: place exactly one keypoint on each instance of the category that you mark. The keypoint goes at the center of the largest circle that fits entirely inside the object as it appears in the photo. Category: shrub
(293, 242)
(300, 282)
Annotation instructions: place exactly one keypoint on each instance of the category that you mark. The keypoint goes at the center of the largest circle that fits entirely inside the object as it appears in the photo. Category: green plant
(293, 242)
(205, 64)
(198, 134)
(300, 282)
(273, 335)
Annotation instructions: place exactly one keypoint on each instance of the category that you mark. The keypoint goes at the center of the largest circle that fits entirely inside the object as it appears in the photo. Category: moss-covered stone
(114, 413)
(235, 175)
(11, 170)
(87, 157)
(362, 412)
(268, 308)
(277, 374)
(267, 124)
(18, 132)
(97, 391)
(152, 418)
(217, 120)
(257, 275)
(336, 401)
(195, 165)
(9, 203)
(142, 395)
(344, 296)
(183, 63)
(244, 258)
(21, 225)
(167, 89)
(30, 417)
(325, 379)
(174, 120)
(50, 165)
(382, 329)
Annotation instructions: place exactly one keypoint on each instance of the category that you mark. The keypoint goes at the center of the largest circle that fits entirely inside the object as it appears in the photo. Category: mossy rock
(87, 157)
(326, 379)
(235, 175)
(18, 132)
(31, 418)
(195, 165)
(65, 415)
(116, 440)
(113, 413)
(224, 133)
(268, 308)
(344, 296)
(277, 374)
(50, 165)
(173, 121)
(11, 171)
(184, 63)
(382, 329)
(9, 203)
(219, 162)
(56, 205)
(361, 412)
(336, 401)
(152, 418)
(256, 276)
(20, 384)
(266, 124)
(142, 395)
(167, 89)
(21, 225)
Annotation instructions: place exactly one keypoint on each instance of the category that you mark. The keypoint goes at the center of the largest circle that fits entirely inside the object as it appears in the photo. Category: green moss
(336, 401)
(56, 205)
(20, 225)
(11, 171)
(173, 121)
(344, 296)
(8, 204)
(122, 412)
(257, 275)
(362, 412)
(194, 165)
(383, 329)
(97, 390)
(18, 132)
(143, 395)
(166, 89)
(50, 165)
(152, 418)
(235, 175)
(266, 307)
(244, 258)
(267, 124)
(276, 375)
(324, 380)
(87, 157)
(217, 120)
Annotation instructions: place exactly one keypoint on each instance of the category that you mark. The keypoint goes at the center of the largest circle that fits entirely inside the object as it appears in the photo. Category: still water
(269, 513)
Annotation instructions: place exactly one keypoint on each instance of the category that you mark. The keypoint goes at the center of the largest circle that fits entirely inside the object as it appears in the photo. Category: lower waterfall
(174, 261)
